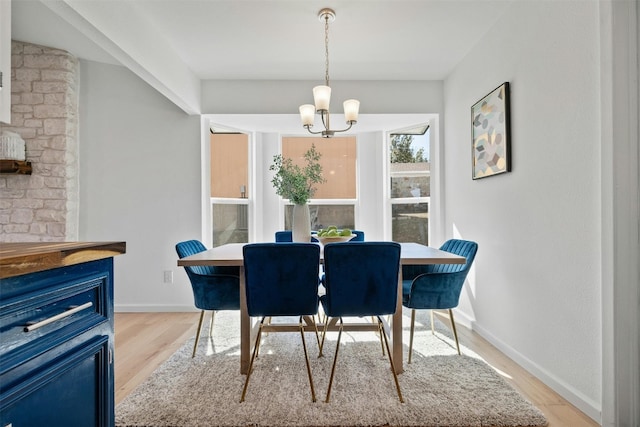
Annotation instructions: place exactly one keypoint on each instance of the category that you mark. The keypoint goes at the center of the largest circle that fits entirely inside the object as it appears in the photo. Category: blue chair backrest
(285, 236)
(214, 288)
(361, 279)
(192, 247)
(281, 279)
(465, 248)
(359, 236)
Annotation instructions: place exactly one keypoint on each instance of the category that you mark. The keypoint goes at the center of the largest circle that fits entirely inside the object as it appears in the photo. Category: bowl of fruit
(332, 234)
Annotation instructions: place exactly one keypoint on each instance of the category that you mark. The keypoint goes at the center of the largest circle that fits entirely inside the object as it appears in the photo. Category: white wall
(535, 288)
(284, 96)
(139, 182)
(370, 210)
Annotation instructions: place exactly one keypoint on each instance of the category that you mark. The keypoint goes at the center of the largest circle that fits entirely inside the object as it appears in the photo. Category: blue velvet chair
(281, 279)
(214, 288)
(437, 287)
(359, 237)
(286, 236)
(361, 280)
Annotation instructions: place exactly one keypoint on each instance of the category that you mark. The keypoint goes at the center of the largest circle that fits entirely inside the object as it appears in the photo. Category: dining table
(231, 254)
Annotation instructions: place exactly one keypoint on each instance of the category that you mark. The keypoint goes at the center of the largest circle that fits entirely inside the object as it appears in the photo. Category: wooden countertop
(23, 258)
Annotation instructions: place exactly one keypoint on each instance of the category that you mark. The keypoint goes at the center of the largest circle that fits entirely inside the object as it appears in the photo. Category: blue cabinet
(56, 347)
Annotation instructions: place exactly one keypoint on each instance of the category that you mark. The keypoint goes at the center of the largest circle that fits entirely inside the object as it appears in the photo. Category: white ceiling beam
(137, 44)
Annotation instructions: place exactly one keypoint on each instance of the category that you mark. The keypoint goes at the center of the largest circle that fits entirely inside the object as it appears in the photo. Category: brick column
(42, 206)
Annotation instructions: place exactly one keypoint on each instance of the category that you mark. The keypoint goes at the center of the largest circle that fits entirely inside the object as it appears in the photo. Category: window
(410, 186)
(334, 201)
(230, 191)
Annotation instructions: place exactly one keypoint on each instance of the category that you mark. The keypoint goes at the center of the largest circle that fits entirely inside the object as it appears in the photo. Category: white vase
(301, 224)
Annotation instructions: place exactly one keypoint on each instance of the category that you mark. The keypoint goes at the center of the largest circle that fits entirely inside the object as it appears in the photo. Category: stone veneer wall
(42, 206)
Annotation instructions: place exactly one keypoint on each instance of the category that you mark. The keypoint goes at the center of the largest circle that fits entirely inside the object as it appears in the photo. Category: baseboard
(462, 319)
(137, 308)
(591, 408)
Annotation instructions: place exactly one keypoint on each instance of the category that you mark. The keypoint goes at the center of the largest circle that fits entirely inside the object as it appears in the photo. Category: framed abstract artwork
(491, 141)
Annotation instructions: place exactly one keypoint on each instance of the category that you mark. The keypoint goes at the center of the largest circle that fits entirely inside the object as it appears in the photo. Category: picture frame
(490, 133)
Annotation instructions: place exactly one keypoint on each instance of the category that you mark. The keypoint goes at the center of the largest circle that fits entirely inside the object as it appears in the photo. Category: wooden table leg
(396, 336)
(245, 327)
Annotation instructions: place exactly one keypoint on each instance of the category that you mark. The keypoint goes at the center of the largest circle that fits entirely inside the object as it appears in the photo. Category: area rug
(440, 387)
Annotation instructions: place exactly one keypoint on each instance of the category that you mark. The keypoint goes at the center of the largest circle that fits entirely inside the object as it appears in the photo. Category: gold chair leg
(413, 323)
(253, 356)
(213, 315)
(453, 327)
(324, 332)
(315, 326)
(335, 359)
(259, 340)
(267, 320)
(393, 368)
(321, 317)
(373, 320)
(306, 358)
(433, 323)
(195, 344)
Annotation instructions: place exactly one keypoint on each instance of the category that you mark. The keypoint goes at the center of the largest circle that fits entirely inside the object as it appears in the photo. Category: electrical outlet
(168, 276)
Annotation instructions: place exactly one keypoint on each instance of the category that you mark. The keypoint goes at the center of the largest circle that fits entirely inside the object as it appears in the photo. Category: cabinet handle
(62, 315)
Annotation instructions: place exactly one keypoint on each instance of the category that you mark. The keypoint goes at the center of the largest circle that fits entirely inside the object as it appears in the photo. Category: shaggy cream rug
(440, 387)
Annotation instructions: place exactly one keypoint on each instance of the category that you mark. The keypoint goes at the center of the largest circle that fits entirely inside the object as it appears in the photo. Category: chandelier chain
(326, 49)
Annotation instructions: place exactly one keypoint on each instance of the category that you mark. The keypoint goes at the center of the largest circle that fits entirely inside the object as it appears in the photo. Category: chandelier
(322, 94)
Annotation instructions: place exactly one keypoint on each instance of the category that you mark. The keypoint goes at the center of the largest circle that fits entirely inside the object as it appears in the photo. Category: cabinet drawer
(71, 389)
(34, 322)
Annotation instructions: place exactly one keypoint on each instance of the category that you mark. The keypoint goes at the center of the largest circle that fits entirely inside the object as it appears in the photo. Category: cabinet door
(70, 390)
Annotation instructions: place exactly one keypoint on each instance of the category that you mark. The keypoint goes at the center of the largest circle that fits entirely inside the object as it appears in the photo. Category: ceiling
(197, 40)
(277, 39)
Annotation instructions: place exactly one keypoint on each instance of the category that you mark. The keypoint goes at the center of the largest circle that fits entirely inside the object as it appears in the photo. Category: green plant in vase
(294, 182)
(297, 184)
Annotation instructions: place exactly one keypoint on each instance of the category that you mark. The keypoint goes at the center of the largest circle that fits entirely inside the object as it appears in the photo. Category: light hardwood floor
(144, 340)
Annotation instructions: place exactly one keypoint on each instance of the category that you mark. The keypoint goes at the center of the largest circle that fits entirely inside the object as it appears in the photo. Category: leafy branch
(294, 182)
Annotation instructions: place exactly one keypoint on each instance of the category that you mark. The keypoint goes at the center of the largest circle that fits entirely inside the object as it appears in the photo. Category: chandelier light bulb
(307, 114)
(322, 97)
(351, 108)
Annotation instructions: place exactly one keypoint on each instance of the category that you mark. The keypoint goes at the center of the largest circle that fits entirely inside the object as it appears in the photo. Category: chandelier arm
(308, 127)
(326, 123)
(345, 129)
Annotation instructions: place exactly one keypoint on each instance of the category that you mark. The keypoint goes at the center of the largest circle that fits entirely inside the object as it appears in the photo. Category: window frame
(372, 206)
(208, 201)
(391, 201)
(324, 202)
